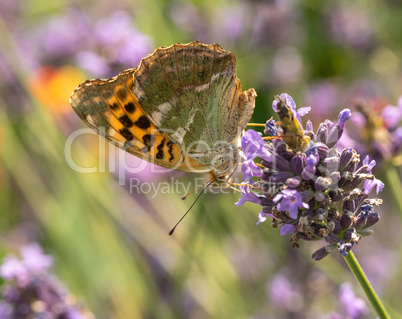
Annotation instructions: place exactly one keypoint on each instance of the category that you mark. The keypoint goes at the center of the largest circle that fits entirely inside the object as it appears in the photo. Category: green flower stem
(366, 286)
(394, 184)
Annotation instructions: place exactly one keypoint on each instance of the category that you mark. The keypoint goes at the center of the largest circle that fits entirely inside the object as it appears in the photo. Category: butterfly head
(224, 163)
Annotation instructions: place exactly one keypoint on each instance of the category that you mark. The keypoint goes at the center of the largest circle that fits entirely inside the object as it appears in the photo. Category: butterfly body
(182, 108)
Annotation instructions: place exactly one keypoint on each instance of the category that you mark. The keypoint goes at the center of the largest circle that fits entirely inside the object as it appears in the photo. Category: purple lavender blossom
(309, 188)
(248, 196)
(289, 200)
(253, 145)
(369, 184)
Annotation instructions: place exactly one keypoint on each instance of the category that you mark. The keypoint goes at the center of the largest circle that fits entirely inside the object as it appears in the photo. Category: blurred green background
(110, 244)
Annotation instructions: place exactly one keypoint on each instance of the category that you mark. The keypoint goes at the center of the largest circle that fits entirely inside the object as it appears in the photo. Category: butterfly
(182, 109)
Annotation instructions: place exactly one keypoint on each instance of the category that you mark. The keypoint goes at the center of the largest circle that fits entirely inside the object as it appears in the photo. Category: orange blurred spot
(52, 87)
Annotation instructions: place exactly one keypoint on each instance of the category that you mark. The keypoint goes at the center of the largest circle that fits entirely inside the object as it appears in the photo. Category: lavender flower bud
(310, 169)
(277, 163)
(322, 150)
(297, 164)
(350, 235)
(337, 228)
(306, 195)
(322, 183)
(335, 177)
(347, 219)
(333, 135)
(321, 214)
(336, 195)
(293, 182)
(281, 177)
(332, 239)
(348, 205)
(309, 126)
(319, 196)
(371, 220)
(361, 221)
(346, 158)
(357, 179)
(330, 164)
(323, 252)
(322, 134)
(344, 115)
(279, 145)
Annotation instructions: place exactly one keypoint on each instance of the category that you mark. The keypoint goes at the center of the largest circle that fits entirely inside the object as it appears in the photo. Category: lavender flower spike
(306, 185)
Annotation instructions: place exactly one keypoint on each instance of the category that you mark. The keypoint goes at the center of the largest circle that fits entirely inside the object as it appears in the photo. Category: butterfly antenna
(192, 192)
(205, 187)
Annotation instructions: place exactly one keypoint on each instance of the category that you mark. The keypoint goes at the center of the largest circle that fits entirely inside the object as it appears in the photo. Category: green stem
(394, 184)
(366, 286)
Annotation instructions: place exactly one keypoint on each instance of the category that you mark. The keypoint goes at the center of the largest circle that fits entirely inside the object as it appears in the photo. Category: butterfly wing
(110, 108)
(190, 91)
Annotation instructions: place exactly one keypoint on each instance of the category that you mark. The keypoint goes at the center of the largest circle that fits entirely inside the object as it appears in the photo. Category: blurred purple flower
(354, 306)
(125, 45)
(103, 49)
(28, 283)
(92, 62)
(5, 310)
(283, 294)
(391, 115)
(350, 24)
(187, 17)
(63, 35)
(12, 268)
(324, 94)
(34, 259)
(268, 29)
